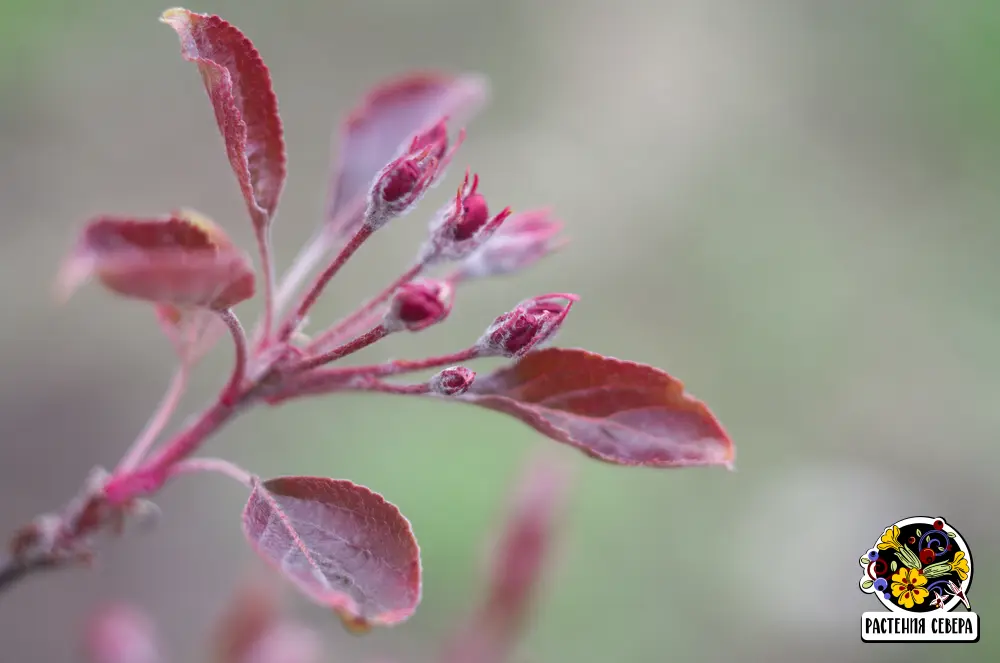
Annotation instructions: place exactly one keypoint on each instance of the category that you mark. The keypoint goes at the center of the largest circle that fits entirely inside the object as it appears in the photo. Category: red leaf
(388, 117)
(246, 109)
(518, 565)
(341, 544)
(183, 260)
(616, 411)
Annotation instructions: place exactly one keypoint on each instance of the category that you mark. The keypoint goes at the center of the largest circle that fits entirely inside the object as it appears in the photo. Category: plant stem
(314, 292)
(157, 422)
(305, 262)
(151, 476)
(348, 378)
(218, 465)
(389, 388)
(13, 570)
(371, 336)
(345, 326)
(263, 234)
(399, 366)
(230, 391)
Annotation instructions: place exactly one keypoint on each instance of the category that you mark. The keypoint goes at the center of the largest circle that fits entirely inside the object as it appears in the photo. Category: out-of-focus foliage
(791, 204)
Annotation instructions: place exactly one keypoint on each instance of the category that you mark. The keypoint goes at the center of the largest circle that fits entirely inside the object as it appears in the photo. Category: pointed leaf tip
(238, 84)
(617, 411)
(340, 544)
(183, 261)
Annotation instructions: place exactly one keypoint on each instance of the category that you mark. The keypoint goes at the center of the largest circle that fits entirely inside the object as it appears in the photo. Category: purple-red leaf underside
(246, 109)
(376, 130)
(339, 543)
(182, 260)
(614, 410)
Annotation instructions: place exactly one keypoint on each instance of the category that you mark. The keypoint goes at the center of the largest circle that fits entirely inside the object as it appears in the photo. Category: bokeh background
(790, 204)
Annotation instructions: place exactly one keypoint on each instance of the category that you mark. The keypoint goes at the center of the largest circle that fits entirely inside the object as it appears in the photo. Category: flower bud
(399, 186)
(400, 181)
(475, 214)
(462, 226)
(523, 239)
(452, 381)
(530, 323)
(420, 304)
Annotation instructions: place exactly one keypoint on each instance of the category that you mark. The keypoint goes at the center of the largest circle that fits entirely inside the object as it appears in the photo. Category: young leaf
(375, 131)
(246, 108)
(518, 565)
(341, 544)
(614, 410)
(178, 260)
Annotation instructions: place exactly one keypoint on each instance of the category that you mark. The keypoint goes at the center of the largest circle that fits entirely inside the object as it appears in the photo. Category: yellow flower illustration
(960, 565)
(890, 539)
(908, 587)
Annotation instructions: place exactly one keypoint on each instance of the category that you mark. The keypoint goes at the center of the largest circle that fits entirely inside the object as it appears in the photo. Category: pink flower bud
(419, 305)
(399, 186)
(452, 381)
(530, 323)
(523, 239)
(401, 181)
(462, 226)
(475, 214)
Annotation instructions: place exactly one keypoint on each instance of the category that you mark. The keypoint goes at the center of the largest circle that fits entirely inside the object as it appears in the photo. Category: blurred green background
(790, 204)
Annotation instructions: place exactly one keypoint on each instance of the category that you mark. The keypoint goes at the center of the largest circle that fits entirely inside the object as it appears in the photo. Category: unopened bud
(462, 226)
(530, 323)
(399, 186)
(475, 214)
(522, 240)
(401, 181)
(420, 304)
(452, 381)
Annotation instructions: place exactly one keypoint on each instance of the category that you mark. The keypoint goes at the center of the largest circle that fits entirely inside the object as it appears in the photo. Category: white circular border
(952, 603)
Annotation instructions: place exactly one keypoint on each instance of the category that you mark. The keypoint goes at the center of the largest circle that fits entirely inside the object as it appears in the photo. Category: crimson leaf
(182, 260)
(614, 410)
(339, 543)
(246, 108)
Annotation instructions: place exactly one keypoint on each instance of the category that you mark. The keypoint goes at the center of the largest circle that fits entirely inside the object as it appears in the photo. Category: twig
(157, 422)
